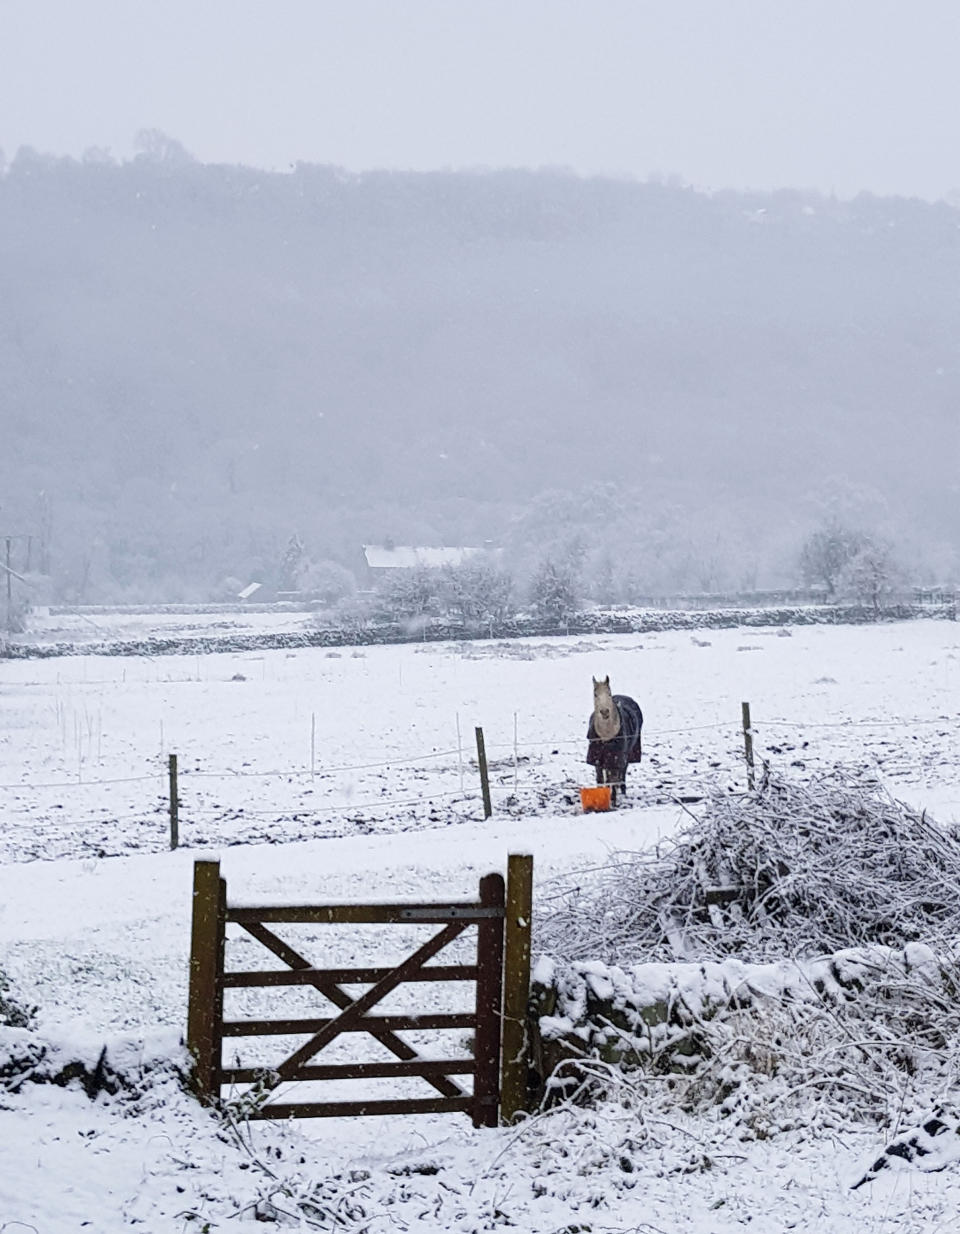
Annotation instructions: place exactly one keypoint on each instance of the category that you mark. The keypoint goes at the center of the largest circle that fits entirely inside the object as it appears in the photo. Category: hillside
(197, 361)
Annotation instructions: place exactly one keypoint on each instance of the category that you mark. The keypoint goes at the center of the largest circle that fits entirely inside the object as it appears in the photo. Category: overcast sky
(839, 95)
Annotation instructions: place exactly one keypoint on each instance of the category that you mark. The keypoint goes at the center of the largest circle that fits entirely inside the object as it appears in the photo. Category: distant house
(383, 561)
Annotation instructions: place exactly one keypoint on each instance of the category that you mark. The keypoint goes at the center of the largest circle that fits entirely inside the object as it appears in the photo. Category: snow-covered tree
(477, 591)
(872, 576)
(155, 146)
(828, 551)
(292, 564)
(554, 592)
(327, 581)
(412, 593)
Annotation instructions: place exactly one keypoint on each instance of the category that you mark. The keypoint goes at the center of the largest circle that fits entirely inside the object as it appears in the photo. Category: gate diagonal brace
(342, 1000)
(355, 1012)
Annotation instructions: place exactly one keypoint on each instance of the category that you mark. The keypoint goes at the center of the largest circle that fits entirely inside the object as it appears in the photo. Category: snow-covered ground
(120, 625)
(102, 947)
(101, 944)
(300, 744)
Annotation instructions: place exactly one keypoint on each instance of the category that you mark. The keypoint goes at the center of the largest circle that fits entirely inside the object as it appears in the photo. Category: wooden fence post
(516, 985)
(174, 803)
(486, 1083)
(747, 743)
(484, 775)
(205, 1013)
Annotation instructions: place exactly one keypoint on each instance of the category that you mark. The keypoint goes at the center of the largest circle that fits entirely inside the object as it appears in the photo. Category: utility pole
(6, 566)
(9, 588)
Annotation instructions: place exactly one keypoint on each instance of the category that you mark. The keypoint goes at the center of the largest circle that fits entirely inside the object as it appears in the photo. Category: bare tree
(872, 575)
(827, 552)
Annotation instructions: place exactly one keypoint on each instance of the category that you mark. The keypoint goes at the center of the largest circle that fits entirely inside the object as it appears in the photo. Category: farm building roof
(407, 557)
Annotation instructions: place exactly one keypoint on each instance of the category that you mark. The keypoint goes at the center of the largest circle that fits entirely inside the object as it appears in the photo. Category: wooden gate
(500, 973)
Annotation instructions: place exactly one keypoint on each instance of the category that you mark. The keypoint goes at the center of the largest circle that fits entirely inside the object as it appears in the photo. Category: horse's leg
(606, 776)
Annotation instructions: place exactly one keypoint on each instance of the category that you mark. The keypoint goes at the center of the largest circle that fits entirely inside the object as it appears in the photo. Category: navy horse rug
(613, 736)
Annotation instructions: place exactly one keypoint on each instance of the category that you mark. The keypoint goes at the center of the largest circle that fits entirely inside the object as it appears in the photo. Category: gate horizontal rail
(360, 1071)
(342, 976)
(369, 1024)
(356, 1109)
(364, 914)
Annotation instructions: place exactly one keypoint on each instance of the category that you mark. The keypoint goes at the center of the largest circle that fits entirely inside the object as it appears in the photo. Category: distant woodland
(670, 389)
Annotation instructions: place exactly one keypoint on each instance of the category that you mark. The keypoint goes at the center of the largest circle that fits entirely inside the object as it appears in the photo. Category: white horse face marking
(606, 718)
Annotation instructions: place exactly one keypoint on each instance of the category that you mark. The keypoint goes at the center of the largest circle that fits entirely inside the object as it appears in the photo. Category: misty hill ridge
(196, 361)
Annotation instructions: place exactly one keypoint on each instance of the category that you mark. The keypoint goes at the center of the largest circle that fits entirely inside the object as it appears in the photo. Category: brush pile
(790, 959)
(798, 869)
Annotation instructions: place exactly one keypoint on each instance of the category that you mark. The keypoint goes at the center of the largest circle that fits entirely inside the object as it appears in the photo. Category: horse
(613, 736)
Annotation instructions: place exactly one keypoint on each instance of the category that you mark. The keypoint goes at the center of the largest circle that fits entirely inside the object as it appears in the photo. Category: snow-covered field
(127, 625)
(101, 944)
(309, 743)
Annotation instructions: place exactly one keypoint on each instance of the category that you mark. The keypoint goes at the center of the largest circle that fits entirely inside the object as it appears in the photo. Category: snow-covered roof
(407, 557)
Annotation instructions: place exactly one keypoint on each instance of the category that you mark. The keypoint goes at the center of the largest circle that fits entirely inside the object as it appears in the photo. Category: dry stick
(515, 758)
(459, 752)
(484, 775)
(313, 741)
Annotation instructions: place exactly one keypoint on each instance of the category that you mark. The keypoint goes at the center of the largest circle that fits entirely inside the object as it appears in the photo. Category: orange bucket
(595, 798)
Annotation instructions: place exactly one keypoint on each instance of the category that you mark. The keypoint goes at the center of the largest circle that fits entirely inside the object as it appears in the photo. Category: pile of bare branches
(792, 868)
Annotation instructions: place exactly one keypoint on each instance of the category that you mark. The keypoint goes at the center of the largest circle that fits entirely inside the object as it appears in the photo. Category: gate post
(486, 1083)
(516, 985)
(205, 1015)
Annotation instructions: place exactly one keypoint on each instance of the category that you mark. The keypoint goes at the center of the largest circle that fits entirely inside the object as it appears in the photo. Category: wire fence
(522, 777)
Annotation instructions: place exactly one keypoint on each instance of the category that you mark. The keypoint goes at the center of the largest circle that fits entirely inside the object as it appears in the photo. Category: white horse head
(606, 717)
